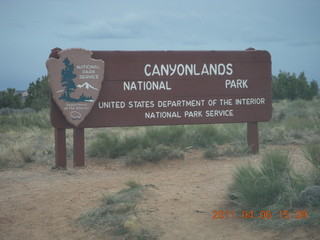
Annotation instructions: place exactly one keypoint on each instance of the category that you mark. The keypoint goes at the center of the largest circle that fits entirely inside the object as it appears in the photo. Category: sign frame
(116, 78)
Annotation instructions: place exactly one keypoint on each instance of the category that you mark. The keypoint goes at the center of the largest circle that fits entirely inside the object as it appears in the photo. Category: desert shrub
(138, 148)
(204, 136)
(275, 164)
(135, 158)
(230, 150)
(257, 188)
(273, 186)
(211, 153)
(153, 154)
(32, 145)
(117, 215)
(106, 145)
(21, 120)
(293, 122)
(156, 153)
(16, 156)
(312, 154)
(112, 146)
(251, 189)
(235, 149)
(168, 135)
(234, 132)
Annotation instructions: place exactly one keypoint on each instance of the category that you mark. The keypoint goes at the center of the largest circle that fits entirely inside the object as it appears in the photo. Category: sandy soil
(38, 203)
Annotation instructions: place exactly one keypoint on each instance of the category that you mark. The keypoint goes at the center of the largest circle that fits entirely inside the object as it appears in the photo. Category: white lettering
(181, 103)
(219, 113)
(180, 69)
(250, 101)
(146, 85)
(88, 67)
(192, 114)
(212, 102)
(229, 69)
(156, 70)
(164, 70)
(173, 69)
(205, 70)
(187, 69)
(145, 70)
(239, 83)
(112, 104)
(162, 115)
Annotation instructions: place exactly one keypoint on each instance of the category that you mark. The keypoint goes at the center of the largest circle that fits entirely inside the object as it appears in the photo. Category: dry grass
(117, 215)
(28, 137)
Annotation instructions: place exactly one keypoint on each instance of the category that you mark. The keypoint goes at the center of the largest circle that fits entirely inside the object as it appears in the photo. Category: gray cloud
(127, 26)
(304, 43)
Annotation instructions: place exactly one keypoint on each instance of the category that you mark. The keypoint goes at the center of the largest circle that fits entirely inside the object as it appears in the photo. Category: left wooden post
(60, 148)
(59, 133)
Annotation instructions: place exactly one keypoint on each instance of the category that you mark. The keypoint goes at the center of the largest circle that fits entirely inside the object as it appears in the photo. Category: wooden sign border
(78, 132)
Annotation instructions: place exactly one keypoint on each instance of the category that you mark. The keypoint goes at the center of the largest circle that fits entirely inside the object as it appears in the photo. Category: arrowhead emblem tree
(67, 77)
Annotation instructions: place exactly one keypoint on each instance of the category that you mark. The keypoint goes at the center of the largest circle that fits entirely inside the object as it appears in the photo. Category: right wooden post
(253, 137)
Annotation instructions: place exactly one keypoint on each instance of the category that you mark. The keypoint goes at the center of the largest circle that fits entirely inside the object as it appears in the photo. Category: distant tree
(10, 99)
(289, 86)
(314, 89)
(38, 94)
(67, 80)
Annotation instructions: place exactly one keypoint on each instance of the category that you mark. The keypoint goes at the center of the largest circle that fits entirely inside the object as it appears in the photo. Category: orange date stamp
(283, 214)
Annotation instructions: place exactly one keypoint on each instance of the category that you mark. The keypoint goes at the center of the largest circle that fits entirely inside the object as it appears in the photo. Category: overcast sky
(288, 29)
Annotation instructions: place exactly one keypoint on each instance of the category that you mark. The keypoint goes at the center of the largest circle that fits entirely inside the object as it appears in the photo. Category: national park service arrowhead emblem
(75, 80)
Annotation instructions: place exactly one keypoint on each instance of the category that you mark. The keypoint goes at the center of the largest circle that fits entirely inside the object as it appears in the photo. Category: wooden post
(60, 148)
(253, 137)
(78, 147)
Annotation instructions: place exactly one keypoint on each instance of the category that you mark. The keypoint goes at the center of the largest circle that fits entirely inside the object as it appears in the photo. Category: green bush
(10, 99)
(117, 215)
(168, 135)
(236, 149)
(38, 94)
(203, 135)
(251, 189)
(20, 120)
(312, 154)
(138, 148)
(106, 145)
(16, 156)
(273, 186)
(294, 122)
(163, 142)
(258, 188)
(275, 164)
(211, 153)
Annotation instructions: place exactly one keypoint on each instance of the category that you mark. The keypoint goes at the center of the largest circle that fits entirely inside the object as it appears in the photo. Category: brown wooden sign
(142, 88)
(179, 87)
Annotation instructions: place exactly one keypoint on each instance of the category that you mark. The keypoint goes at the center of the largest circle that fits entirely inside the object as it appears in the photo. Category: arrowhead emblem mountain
(86, 85)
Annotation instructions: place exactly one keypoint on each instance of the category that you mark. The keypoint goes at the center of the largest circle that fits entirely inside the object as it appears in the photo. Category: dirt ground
(39, 203)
